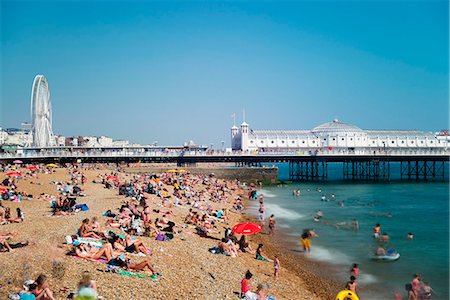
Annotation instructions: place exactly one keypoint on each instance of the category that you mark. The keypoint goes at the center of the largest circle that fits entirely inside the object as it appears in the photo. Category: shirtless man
(351, 285)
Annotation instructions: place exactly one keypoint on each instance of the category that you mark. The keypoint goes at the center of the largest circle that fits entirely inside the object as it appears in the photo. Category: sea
(400, 207)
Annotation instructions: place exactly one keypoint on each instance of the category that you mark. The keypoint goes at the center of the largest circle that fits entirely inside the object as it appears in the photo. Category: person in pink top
(415, 288)
(246, 285)
(355, 270)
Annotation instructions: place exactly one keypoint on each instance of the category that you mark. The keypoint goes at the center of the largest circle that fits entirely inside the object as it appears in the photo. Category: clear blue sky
(175, 71)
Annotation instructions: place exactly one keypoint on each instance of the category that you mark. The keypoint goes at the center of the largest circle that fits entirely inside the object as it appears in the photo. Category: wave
(282, 213)
(332, 256)
(367, 278)
(266, 193)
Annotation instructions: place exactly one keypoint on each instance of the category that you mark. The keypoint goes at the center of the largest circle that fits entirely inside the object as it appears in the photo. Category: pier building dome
(337, 128)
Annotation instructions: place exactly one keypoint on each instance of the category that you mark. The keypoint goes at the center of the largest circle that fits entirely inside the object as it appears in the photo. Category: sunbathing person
(94, 253)
(135, 245)
(85, 231)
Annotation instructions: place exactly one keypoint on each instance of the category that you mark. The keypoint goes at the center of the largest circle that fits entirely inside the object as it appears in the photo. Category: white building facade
(333, 135)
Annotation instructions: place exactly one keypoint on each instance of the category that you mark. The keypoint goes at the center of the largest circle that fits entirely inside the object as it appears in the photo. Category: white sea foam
(266, 193)
(282, 213)
(367, 278)
(323, 254)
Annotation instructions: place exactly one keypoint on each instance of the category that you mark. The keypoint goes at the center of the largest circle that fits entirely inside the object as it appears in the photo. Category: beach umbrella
(13, 174)
(172, 171)
(51, 165)
(3, 190)
(33, 168)
(246, 228)
(17, 161)
(111, 177)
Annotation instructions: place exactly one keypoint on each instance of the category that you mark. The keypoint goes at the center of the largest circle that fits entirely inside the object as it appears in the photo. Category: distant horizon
(176, 71)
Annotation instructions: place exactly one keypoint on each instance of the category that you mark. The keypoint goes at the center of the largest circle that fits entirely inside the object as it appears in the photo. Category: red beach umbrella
(111, 177)
(246, 228)
(32, 168)
(13, 174)
(2, 190)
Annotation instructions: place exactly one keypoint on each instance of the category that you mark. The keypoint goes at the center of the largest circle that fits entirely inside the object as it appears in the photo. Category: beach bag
(160, 237)
(82, 206)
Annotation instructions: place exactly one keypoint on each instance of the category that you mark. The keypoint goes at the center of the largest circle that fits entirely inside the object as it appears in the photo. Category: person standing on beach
(306, 241)
(415, 287)
(276, 266)
(272, 225)
(351, 285)
(355, 270)
(261, 215)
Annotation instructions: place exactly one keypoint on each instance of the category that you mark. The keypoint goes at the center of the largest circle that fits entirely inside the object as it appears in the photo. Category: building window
(351, 139)
(303, 142)
(293, 142)
(251, 142)
(342, 139)
(314, 142)
(273, 142)
(334, 139)
(262, 142)
(421, 142)
(392, 142)
(431, 142)
(403, 142)
(282, 142)
(325, 139)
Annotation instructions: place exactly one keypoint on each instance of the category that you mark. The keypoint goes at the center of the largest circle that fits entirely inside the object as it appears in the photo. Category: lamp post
(223, 145)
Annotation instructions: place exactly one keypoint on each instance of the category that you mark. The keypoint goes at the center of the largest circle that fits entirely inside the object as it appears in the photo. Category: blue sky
(174, 71)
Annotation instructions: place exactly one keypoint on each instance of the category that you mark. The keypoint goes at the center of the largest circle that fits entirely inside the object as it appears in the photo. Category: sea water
(400, 207)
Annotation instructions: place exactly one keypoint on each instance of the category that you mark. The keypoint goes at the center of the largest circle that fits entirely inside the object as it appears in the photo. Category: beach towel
(123, 272)
(82, 207)
(93, 242)
(102, 260)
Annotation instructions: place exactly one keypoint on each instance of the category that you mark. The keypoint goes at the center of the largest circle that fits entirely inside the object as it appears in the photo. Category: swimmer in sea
(384, 237)
(409, 236)
(323, 198)
(376, 231)
(355, 224)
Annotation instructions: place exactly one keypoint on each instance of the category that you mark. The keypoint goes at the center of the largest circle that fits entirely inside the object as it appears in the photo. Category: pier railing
(218, 153)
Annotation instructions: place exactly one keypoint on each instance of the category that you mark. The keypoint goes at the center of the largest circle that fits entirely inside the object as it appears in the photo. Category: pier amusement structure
(41, 113)
(363, 154)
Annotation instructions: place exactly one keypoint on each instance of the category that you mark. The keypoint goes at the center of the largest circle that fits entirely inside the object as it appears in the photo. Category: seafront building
(333, 135)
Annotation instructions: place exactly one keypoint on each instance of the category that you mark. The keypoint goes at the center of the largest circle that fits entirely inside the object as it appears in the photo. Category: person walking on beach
(272, 225)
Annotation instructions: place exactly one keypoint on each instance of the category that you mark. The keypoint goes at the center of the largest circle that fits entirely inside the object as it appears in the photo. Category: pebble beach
(189, 270)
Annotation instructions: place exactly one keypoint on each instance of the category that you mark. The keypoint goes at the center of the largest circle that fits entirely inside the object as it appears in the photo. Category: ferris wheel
(41, 113)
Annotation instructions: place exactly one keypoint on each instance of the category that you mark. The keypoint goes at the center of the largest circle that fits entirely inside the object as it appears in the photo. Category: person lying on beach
(42, 290)
(125, 262)
(93, 253)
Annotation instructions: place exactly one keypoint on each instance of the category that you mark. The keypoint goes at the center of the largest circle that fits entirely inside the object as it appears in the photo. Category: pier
(308, 165)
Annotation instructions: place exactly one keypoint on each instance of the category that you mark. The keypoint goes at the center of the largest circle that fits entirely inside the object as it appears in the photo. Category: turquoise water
(420, 208)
